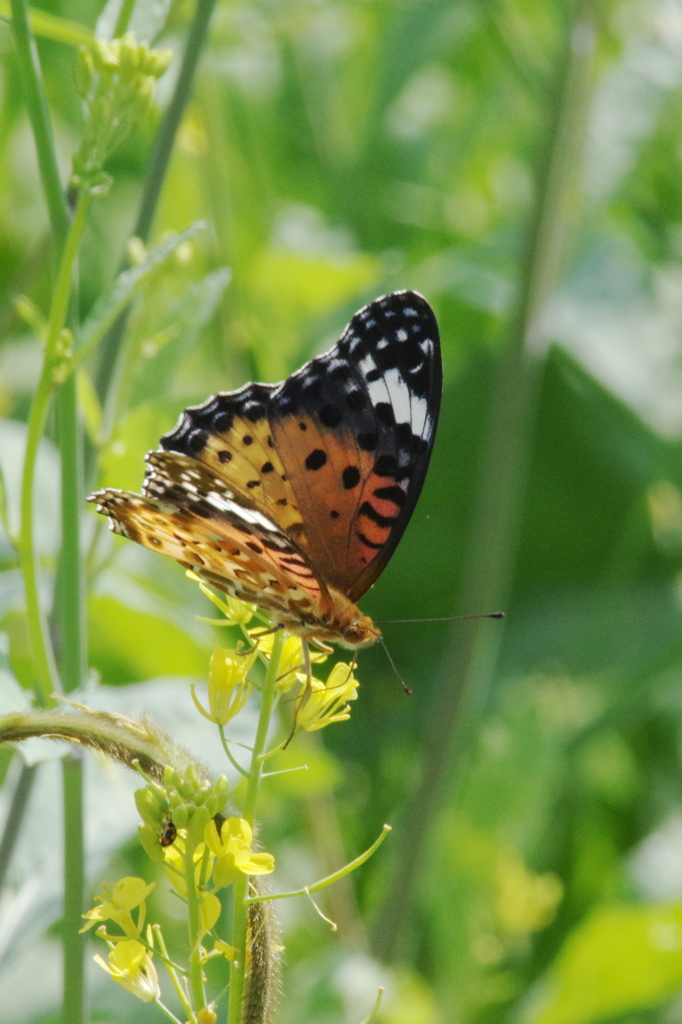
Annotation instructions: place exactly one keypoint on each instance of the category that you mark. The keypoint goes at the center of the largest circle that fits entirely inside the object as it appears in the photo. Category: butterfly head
(348, 626)
(359, 633)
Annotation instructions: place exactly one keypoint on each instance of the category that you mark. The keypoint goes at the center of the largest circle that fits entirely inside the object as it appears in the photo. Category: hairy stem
(238, 1013)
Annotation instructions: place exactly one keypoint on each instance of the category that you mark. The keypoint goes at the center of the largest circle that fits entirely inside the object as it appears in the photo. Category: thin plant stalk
(109, 372)
(123, 19)
(194, 928)
(15, 816)
(36, 105)
(69, 604)
(73, 942)
(66, 236)
(471, 658)
(45, 671)
(241, 884)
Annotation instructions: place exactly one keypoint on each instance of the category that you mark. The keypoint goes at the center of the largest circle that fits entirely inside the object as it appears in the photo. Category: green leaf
(621, 959)
(129, 645)
(108, 308)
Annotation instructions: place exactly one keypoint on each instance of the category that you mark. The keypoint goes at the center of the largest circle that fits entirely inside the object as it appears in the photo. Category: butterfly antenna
(447, 618)
(393, 665)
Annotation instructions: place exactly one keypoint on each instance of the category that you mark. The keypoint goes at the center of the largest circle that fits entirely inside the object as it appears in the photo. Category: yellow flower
(237, 613)
(328, 702)
(228, 687)
(525, 902)
(292, 662)
(131, 966)
(232, 849)
(116, 904)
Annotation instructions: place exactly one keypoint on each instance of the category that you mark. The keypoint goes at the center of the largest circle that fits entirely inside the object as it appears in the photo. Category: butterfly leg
(321, 646)
(256, 637)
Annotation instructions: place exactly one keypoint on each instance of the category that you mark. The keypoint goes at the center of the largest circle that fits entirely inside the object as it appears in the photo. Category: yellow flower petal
(209, 912)
(224, 871)
(229, 952)
(258, 864)
(131, 966)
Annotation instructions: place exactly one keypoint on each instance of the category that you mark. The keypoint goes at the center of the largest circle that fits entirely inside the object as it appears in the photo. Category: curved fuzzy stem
(249, 997)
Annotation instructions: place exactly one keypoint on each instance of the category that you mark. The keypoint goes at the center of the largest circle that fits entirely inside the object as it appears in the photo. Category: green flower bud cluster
(185, 798)
(116, 80)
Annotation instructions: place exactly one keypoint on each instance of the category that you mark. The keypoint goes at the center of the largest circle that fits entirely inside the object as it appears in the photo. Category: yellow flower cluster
(216, 861)
(229, 688)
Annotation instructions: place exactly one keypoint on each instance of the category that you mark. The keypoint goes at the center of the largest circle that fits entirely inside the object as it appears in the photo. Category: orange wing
(337, 454)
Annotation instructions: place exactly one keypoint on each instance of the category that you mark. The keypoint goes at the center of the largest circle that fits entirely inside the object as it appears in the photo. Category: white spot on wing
(421, 421)
(392, 387)
(247, 515)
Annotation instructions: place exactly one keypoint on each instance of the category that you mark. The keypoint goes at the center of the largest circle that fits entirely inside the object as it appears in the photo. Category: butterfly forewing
(355, 429)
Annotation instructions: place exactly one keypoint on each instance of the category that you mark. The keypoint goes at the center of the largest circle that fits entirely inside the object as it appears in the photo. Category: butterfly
(293, 496)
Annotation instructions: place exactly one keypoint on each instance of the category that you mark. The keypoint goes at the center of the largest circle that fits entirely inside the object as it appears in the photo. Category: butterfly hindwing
(355, 428)
(230, 433)
(189, 514)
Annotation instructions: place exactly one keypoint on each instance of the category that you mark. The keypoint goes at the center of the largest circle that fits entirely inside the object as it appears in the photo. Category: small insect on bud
(169, 833)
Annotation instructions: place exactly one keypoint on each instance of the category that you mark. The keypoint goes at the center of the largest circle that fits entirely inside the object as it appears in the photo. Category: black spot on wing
(350, 477)
(316, 459)
(217, 416)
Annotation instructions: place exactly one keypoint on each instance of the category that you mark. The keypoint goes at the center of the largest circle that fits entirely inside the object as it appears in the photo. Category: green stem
(69, 610)
(229, 755)
(15, 815)
(162, 952)
(66, 236)
(196, 979)
(123, 20)
(36, 105)
(268, 696)
(241, 884)
(73, 943)
(45, 671)
(329, 879)
(109, 371)
(44, 668)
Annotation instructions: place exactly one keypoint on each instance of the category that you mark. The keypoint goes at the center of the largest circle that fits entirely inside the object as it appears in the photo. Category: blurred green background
(519, 163)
